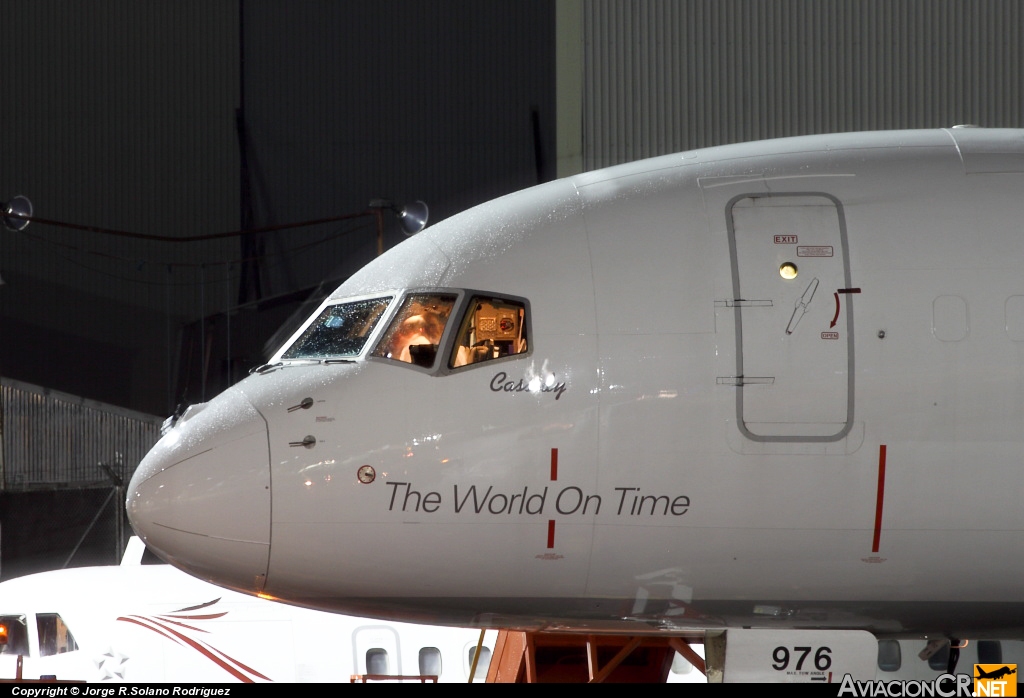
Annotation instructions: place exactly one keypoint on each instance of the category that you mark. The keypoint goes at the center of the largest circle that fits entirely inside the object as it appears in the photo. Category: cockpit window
(416, 331)
(54, 635)
(340, 331)
(491, 329)
(13, 635)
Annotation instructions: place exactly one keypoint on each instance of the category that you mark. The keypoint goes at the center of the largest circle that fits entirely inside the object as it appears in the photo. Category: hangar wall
(118, 115)
(661, 76)
(64, 464)
(201, 117)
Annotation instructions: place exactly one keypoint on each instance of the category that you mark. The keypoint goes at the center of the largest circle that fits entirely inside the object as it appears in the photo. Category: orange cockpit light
(3, 634)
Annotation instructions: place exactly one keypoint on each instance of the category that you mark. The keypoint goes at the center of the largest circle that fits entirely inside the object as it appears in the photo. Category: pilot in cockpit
(424, 328)
(491, 328)
(416, 331)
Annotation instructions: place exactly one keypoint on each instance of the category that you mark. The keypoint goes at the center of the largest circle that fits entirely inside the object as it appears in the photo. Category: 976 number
(781, 656)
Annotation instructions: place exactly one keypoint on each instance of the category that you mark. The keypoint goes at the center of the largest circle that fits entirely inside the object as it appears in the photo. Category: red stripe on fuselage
(211, 653)
(879, 499)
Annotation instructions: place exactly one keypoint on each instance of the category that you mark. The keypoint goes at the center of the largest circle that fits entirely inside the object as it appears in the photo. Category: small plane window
(990, 652)
(890, 657)
(482, 665)
(377, 661)
(340, 331)
(940, 660)
(416, 331)
(430, 661)
(13, 629)
(491, 329)
(54, 636)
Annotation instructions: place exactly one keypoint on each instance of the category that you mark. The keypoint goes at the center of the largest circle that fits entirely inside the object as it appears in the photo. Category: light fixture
(16, 216)
(411, 217)
(17, 213)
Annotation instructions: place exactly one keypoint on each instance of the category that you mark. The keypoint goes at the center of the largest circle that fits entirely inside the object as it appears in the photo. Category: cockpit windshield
(13, 634)
(340, 331)
(484, 327)
(416, 330)
(492, 328)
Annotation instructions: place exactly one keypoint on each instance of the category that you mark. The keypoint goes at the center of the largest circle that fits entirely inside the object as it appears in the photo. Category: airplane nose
(200, 499)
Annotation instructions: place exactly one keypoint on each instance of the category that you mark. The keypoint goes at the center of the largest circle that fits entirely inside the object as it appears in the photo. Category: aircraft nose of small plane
(200, 498)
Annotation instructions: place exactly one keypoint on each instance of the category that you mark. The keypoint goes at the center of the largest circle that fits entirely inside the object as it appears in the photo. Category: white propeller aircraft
(147, 623)
(773, 385)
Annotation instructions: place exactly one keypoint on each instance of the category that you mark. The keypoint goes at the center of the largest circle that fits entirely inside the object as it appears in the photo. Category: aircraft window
(990, 652)
(54, 636)
(417, 328)
(940, 660)
(377, 661)
(491, 329)
(340, 331)
(430, 661)
(890, 657)
(16, 635)
(482, 665)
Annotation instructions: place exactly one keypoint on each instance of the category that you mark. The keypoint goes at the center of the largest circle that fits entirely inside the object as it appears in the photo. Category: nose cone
(200, 498)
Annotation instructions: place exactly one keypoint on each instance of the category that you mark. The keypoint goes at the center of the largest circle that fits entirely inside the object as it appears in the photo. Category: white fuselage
(154, 624)
(690, 440)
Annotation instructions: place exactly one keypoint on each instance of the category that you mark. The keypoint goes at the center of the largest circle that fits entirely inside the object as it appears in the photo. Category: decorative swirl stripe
(162, 626)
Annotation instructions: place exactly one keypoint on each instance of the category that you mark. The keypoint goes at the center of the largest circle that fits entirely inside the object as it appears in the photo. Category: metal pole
(3, 475)
(88, 528)
(380, 230)
(227, 318)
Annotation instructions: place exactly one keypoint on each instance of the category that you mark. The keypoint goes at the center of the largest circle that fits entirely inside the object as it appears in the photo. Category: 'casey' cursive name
(501, 384)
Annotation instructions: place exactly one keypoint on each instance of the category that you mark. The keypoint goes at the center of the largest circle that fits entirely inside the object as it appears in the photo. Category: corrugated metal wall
(118, 114)
(449, 101)
(667, 75)
(122, 114)
(50, 438)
